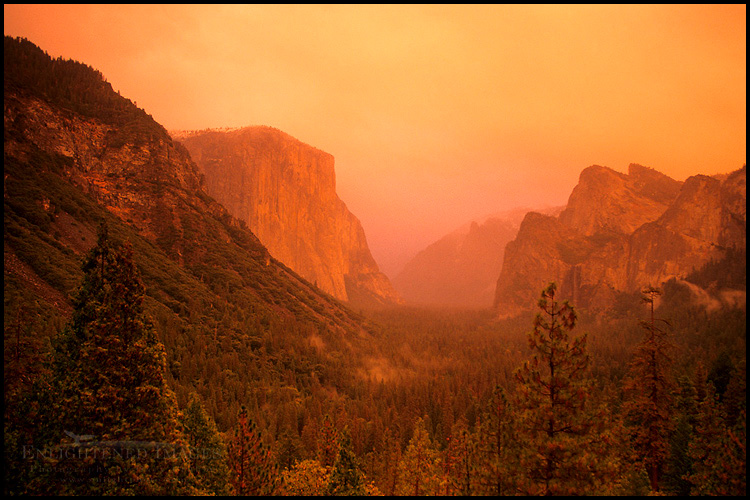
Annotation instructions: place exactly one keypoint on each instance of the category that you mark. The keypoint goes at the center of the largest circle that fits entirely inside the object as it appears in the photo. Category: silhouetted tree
(649, 387)
(558, 429)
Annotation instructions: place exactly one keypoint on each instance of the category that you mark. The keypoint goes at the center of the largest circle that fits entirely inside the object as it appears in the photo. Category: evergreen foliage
(551, 398)
(329, 444)
(730, 270)
(497, 448)
(419, 469)
(251, 466)
(109, 392)
(77, 87)
(649, 386)
(719, 448)
(566, 445)
(346, 478)
(460, 460)
(207, 450)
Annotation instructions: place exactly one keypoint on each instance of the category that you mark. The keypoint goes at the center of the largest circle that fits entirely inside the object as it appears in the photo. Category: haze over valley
(435, 115)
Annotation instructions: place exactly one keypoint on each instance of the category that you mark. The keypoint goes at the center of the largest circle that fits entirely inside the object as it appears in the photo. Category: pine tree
(347, 478)
(649, 388)
(459, 462)
(556, 425)
(251, 467)
(679, 466)
(419, 468)
(386, 461)
(497, 448)
(328, 443)
(719, 449)
(207, 450)
(110, 390)
(24, 376)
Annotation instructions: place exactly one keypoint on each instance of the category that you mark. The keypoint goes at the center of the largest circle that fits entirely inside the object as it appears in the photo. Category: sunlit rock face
(605, 201)
(285, 191)
(620, 233)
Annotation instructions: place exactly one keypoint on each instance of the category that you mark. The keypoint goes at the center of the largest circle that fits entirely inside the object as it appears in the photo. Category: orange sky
(435, 114)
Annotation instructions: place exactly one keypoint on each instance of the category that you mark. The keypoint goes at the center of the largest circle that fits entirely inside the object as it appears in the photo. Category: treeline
(79, 88)
(729, 271)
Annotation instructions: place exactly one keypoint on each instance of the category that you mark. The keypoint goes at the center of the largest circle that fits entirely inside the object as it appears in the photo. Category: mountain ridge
(622, 232)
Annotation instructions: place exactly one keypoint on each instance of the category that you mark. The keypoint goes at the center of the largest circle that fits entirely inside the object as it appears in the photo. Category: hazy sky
(435, 114)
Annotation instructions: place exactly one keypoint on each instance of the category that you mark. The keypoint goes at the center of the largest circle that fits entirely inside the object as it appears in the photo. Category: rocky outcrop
(144, 183)
(286, 192)
(733, 233)
(697, 228)
(620, 233)
(605, 201)
(534, 255)
(461, 268)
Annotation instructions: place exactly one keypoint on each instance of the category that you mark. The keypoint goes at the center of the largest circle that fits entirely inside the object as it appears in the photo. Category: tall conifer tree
(347, 478)
(719, 449)
(557, 423)
(497, 448)
(252, 470)
(110, 389)
(649, 387)
(328, 443)
(387, 462)
(459, 460)
(419, 469)
(207, 450)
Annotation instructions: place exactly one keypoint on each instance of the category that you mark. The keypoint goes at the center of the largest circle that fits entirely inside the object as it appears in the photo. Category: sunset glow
(435, 114)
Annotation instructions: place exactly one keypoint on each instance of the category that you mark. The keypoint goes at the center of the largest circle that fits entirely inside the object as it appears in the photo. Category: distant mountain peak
(608, 201)
(461, 268)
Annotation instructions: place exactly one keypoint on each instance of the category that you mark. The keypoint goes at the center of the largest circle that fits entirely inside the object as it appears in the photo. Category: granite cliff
(620, 233)
(285, 191)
